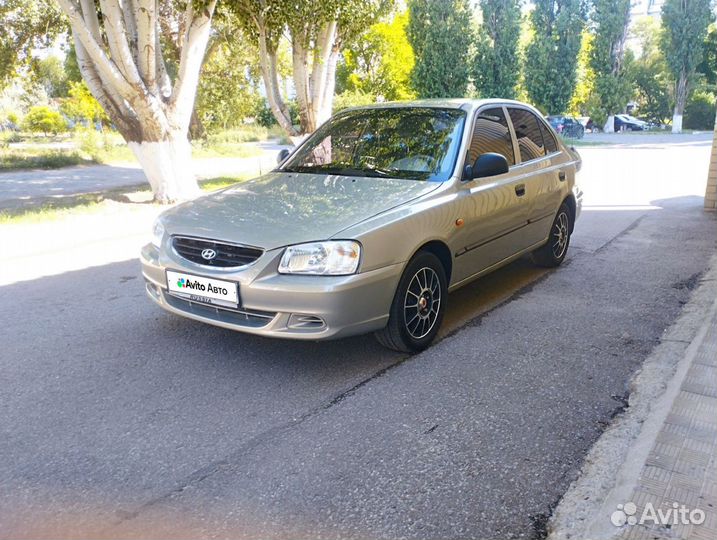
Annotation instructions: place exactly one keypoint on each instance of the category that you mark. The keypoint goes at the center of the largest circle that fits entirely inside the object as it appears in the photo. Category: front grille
(227, 255)
(251, 318)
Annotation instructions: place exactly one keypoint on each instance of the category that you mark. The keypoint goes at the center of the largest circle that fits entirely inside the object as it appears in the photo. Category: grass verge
(11, 159)
(85, 203)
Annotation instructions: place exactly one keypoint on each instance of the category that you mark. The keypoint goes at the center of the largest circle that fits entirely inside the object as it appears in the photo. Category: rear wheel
(553, 252)
(418, 305)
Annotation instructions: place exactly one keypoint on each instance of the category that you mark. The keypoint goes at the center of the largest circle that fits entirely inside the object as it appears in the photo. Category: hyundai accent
(369, 223)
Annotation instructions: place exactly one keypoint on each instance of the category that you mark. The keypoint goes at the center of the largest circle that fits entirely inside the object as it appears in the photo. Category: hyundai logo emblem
(208, 254)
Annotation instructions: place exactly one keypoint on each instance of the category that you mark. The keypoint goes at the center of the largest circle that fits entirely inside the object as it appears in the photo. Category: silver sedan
(370, 223)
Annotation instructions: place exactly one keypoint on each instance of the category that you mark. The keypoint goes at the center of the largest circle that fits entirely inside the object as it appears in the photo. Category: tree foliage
(685, 28)
(379, 64)
(610, 19)
(495, 66)
(43, 119)
(700, 111)
(26, 25)
(81, 106)
(317, 31)
(440, 34)
(584, 100)
(649, 72)
(552, 55)
(49, 72)
(708, 66)
(227, 91)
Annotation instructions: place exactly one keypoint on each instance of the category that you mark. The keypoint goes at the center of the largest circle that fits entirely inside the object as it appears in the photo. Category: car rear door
(493, 209)
(541, 169)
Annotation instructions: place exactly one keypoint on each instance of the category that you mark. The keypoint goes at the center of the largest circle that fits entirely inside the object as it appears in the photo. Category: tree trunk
(609, 126)
(120, 57)
(301, 85)
(314, 74)
(327, 101)
(681, 91)
(168, 167)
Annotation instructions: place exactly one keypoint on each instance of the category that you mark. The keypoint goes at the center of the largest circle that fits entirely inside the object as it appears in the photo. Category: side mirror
(282, 155)
(489, 164)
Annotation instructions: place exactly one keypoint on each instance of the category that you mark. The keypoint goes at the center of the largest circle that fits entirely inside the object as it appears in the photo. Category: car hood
(279, 208)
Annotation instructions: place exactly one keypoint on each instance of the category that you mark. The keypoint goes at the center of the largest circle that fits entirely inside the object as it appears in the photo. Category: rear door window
(528, 133)
(549, 139)
(491, 134)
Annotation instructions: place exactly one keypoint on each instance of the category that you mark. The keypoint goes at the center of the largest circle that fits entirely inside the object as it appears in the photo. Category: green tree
(440, 33)
(317, 30)
(610, 19)
(700, 111)
(551, 57)
(583, 101)
(708, 66)
(227, 93)
(380, 62)
(42, 119)
(26, 25)
(49, 72)
(685, 29)
(649, 73)
(72, 70)
(81, 106)
(496, 67)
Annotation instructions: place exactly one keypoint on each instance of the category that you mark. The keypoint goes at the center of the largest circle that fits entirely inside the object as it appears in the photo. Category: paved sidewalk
(660, 456)
(681, 467)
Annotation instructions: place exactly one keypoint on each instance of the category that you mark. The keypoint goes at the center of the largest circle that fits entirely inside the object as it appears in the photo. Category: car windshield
(416, 143)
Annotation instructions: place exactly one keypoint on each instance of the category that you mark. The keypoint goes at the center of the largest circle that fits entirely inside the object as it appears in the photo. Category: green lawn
(39, 158)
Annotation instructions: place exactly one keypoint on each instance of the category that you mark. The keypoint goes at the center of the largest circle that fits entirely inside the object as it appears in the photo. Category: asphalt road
(118, 420)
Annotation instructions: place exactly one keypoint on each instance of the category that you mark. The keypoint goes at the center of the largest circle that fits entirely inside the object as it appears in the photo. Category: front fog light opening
(299, 321)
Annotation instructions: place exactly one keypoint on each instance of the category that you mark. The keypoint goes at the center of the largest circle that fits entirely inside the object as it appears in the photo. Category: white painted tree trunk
(121, 59)
(609, 126)
(168, 167)
(676, 122)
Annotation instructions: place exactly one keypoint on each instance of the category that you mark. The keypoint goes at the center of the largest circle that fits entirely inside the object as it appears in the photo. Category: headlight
(157, 233)
(335, 258)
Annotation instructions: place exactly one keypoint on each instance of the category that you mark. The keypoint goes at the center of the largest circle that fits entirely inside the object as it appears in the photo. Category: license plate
(203, 289)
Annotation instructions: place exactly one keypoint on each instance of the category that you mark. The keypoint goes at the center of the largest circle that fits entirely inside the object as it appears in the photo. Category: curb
(612, 467)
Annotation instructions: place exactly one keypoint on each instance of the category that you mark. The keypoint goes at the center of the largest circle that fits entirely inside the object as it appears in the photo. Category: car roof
(454, 103)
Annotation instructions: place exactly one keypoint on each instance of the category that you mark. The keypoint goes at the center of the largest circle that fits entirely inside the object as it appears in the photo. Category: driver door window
(491, 134)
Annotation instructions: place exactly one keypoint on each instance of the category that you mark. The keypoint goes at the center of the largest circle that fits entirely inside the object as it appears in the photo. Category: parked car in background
(625, 122)
(567, 126)
(370, 222)
(588, 124)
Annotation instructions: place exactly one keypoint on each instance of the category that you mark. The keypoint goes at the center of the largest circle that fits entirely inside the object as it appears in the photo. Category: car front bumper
(277, 305)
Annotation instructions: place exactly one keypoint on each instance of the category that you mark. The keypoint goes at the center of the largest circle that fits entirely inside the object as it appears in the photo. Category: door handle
(561, 176)
(520, 190)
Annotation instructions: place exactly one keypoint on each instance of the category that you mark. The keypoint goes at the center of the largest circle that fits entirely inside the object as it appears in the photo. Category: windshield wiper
(349, 170)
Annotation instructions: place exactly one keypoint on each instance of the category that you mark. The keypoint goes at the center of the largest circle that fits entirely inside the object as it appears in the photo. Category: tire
(412, 328)
(552, 253)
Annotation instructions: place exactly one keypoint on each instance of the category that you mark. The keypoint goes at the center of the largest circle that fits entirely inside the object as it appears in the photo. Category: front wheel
(418, 305)
(553, 252)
